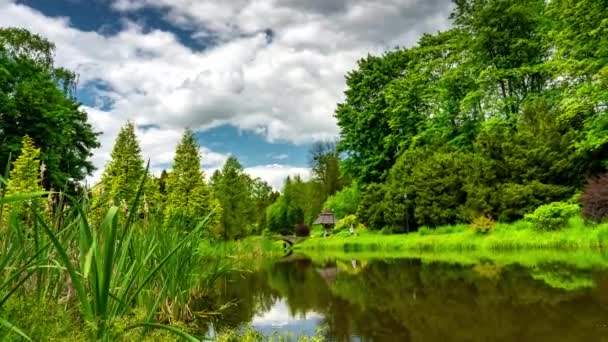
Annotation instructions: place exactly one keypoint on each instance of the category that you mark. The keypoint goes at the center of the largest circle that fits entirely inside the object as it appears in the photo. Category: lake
(415, 300)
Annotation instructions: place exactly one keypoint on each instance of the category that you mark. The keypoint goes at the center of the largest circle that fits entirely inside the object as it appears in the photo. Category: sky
(256, 79)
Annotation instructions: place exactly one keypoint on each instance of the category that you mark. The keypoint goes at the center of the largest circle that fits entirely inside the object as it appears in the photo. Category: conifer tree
(23, 178)
(122, 175)
(189, 197)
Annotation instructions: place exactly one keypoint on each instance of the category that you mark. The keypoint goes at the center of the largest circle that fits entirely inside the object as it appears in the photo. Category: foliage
(120, 178)
(292, 207)
(103, 271)
(595, 199)
(553, 216)
(24, 178)
(346, 222)
(345, 201)
(263, 196)
(189, 197)
(516, 237)
(372, 206)
(232, 187)
(483, 224)
(37, 99)
(504, 112)
(302, 230)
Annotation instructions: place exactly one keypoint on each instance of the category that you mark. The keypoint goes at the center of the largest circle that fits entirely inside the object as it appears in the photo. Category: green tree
(263, 196)
(233, 190)
(189, 197)
(23, 178)
(123, 173)
(345, 201)
(37, 99)
(363, 119)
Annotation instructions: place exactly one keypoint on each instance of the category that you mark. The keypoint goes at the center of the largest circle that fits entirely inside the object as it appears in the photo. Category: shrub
(345, 201)
(483, 224)
(346, 222)
(302, 230)
(552, 216)
(595, 199)
(425, 231)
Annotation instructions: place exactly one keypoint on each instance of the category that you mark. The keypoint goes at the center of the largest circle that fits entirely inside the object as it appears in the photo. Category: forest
(499, 123)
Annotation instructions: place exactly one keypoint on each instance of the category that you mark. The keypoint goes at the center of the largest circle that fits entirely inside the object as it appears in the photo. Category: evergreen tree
(23, 178)
(122, 175)
(189, 198)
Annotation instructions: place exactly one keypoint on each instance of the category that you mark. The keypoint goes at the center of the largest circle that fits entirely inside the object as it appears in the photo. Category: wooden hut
(327, 220)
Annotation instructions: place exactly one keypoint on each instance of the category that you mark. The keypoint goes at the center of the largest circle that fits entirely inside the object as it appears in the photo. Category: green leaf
(13, 328)
(23, 197)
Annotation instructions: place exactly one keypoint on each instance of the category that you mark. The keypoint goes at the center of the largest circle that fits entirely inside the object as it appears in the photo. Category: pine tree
(23, 178)
(122, 175)
(189, 198)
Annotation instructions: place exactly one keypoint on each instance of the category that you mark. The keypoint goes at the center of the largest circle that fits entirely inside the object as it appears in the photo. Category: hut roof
(326, 217)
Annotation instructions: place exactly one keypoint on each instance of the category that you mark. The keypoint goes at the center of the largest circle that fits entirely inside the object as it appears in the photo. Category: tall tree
(263, 196)
(189, 197)
(37, 99)
(123, 173)
(363, 119)
(232, 187)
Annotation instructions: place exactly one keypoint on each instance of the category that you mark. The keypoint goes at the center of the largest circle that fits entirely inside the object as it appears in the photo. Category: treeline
(231, 200)
(506, 111)
(302, 201)
(46, 143)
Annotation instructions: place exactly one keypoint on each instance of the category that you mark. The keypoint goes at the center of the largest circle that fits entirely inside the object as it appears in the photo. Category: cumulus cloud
(275, 174)
(275, 67)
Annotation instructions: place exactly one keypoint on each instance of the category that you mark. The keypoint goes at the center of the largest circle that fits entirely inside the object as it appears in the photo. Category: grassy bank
(520, 235)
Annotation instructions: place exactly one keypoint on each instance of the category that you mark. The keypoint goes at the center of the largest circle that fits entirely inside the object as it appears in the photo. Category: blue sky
(259, 80)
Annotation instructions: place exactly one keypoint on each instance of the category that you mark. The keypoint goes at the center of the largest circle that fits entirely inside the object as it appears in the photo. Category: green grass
(520, 235)
(118, 276)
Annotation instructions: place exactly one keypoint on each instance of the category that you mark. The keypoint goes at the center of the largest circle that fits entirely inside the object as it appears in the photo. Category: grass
(118, 277)
(520, 235)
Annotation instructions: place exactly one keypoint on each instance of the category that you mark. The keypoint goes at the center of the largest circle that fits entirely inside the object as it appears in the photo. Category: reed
(106, 269)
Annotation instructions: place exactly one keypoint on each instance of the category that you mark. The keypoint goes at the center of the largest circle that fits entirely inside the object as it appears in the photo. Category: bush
(552, 216)
(483, 224)
(344, 202)
(302, 230)
(346, 222)
(425, 231)
(595, 199)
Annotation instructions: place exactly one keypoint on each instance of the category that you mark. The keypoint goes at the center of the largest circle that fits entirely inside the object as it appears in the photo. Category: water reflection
(409, 300)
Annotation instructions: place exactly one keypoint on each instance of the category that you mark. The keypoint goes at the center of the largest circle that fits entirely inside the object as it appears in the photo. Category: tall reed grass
(106, 269)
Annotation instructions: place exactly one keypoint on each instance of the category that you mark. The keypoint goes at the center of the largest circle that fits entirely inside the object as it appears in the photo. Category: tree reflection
(408, 300)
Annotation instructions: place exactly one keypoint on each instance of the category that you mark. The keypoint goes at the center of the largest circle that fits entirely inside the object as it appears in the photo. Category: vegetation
(490, 136)
(37, 99)
(595, 199)
(521, 235)
(495, 117)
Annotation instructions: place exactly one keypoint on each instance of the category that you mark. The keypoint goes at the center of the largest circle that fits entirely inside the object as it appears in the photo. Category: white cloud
(275, 174)
(285, 90)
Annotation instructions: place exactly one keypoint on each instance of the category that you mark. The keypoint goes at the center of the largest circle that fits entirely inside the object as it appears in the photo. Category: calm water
(410, 300)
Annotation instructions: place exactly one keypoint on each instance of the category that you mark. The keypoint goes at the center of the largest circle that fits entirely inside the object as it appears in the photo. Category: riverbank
(520, 235)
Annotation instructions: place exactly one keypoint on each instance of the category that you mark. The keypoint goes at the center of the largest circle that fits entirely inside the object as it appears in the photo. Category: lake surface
(412, 300)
